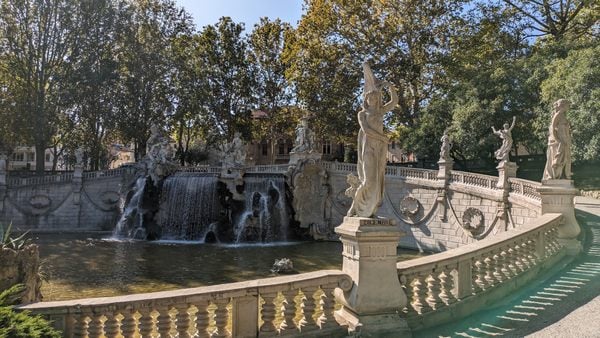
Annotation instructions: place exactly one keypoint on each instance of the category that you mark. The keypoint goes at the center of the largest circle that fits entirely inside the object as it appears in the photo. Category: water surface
(81, 266)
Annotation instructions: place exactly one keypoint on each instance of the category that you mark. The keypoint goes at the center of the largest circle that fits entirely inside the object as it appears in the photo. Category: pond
(84, 266)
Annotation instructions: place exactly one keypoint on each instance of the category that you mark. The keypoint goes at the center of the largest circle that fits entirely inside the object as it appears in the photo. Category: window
(326, 147)
(393, 145)
(30, 156)
(18, 157)
(265, 149)
(281, 147)
(48, 157)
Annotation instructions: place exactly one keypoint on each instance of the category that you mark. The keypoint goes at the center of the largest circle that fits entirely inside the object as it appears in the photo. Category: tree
(37, 39)
(146, 68)
(223, 56)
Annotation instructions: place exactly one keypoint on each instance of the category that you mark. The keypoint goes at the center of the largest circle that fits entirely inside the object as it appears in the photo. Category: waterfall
(265, 217)
(189, 205)
(130, 223)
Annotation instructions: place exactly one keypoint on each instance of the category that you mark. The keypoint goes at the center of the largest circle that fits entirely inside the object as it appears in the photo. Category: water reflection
(79, 266)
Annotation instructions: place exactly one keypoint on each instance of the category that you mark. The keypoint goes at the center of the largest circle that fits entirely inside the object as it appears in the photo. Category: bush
(21, 324)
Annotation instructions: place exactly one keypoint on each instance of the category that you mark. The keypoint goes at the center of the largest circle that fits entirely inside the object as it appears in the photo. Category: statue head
(561, 105)
(506, 126)
(154, 129)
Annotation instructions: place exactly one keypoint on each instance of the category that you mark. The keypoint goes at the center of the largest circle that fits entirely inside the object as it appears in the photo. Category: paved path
(563, 303)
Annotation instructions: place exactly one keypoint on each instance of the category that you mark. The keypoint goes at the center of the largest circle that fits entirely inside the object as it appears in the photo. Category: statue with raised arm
(305, 138)
(446, 146)
(79, 156)
(371, 146)
(558, 156)
(505, 135)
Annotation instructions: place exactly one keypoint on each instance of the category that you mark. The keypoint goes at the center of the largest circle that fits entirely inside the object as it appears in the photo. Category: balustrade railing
(437, 281)
(525, 188)
(284, 305)
(35, 180)
(476, 180)
(274, 168)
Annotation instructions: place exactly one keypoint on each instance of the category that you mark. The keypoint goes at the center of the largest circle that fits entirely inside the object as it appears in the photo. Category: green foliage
(6, 241)
(21, 324)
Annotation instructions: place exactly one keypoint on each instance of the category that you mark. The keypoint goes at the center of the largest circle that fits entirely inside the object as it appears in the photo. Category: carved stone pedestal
(445, 168)
(506, 170)
(558, 197)
(373, 305)
(295, 157)
(77, 183)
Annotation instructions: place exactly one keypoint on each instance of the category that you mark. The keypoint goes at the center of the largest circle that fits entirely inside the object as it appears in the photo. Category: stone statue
(371, 146)
(305, 138)
(507, 141)
(558, 156)
(79, 156)
(2, 162)
(446, 146)
(234, 152)
(159, 155)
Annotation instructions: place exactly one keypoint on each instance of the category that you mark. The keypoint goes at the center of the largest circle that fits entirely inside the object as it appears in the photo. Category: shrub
(21, 324)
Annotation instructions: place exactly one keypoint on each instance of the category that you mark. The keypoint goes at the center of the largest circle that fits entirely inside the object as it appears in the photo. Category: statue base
(558, 197)
(297, 157)
(376, 298)
(506, 170)
(445, 168)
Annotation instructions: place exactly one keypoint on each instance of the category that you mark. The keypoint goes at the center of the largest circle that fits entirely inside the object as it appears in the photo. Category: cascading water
(189, 206)
(265, 218)
(131, 222)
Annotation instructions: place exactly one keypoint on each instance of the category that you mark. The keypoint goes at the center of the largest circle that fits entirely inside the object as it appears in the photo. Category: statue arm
(513, 123)
(495, 131)
(393, 98)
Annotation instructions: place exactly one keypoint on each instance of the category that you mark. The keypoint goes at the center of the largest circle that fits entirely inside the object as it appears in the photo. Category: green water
(78, 266)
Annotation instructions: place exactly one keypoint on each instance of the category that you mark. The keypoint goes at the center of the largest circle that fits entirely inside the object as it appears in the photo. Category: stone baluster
(497, 261)
(288, 309)
(164, 321)
(128, 324)
(479, 282)
(505, 260)
(111, 325)
(202, 319)
(531, 250)
(446, 286)
(182, 320)
(489, 270)
(268, 313)
(81, 326)
(518, 258)
(221, 317)
(511, 259)
(327, 320)
(95, 326)
(146, 323)
(419, 293)
(308, 306)
(554, 240)
(433, 291)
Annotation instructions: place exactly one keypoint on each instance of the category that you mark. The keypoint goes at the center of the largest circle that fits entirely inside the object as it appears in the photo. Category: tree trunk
(40, 158)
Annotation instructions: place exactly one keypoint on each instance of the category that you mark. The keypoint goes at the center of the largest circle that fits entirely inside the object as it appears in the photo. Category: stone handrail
(527, 189)
(200, 169)
(106, 173)
(275, 168)
(35, 180)
(473, 179)
(438, 281)
(190, 312)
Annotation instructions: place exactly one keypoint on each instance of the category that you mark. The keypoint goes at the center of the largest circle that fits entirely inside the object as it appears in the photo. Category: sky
(208, 12)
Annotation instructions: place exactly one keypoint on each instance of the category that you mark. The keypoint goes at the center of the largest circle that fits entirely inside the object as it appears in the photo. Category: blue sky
(208, 12)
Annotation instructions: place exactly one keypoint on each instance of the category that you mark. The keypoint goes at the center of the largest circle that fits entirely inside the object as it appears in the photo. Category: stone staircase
(548, 300)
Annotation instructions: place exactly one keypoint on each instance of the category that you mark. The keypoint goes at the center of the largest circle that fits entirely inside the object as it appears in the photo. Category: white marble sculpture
(445, 148)
(558, 156)
(159, 155)
(505, 134)
(305, 138)
(79, 156)
(3, 162)
(234, 152)
(372, 146)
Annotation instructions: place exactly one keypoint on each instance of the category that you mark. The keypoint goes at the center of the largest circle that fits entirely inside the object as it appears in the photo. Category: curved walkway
(565, 302)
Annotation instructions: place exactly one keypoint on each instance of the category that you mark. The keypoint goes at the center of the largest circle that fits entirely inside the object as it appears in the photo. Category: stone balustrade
(275, 168)
(527, 189)
(228, 310)
(66, 177)
(477, 271)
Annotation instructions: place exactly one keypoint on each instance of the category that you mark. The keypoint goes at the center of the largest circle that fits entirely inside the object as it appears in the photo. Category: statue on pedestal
(3, 166)
(159, 155)
(305, 138)
(372, 146)
(79, 156)
(446, 146)
(558, 156)
(505, 134)
(234, 152)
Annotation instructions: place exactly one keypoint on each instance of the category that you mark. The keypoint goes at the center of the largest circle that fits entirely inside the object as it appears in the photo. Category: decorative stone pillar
(77, 183)
(376, 299)
(558, 197)
(506, 170)
(445, 169)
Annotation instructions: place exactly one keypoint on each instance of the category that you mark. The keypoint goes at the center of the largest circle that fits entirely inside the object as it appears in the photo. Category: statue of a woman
(372, 146)
(558, 156)
(507, 141)
(446, 146)
(304, 138)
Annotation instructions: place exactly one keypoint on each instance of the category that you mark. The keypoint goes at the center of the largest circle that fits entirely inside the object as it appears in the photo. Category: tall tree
(38, 37)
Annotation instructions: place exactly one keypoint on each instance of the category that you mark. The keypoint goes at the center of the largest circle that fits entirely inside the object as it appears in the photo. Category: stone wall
(437, 218)
(93, 205)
